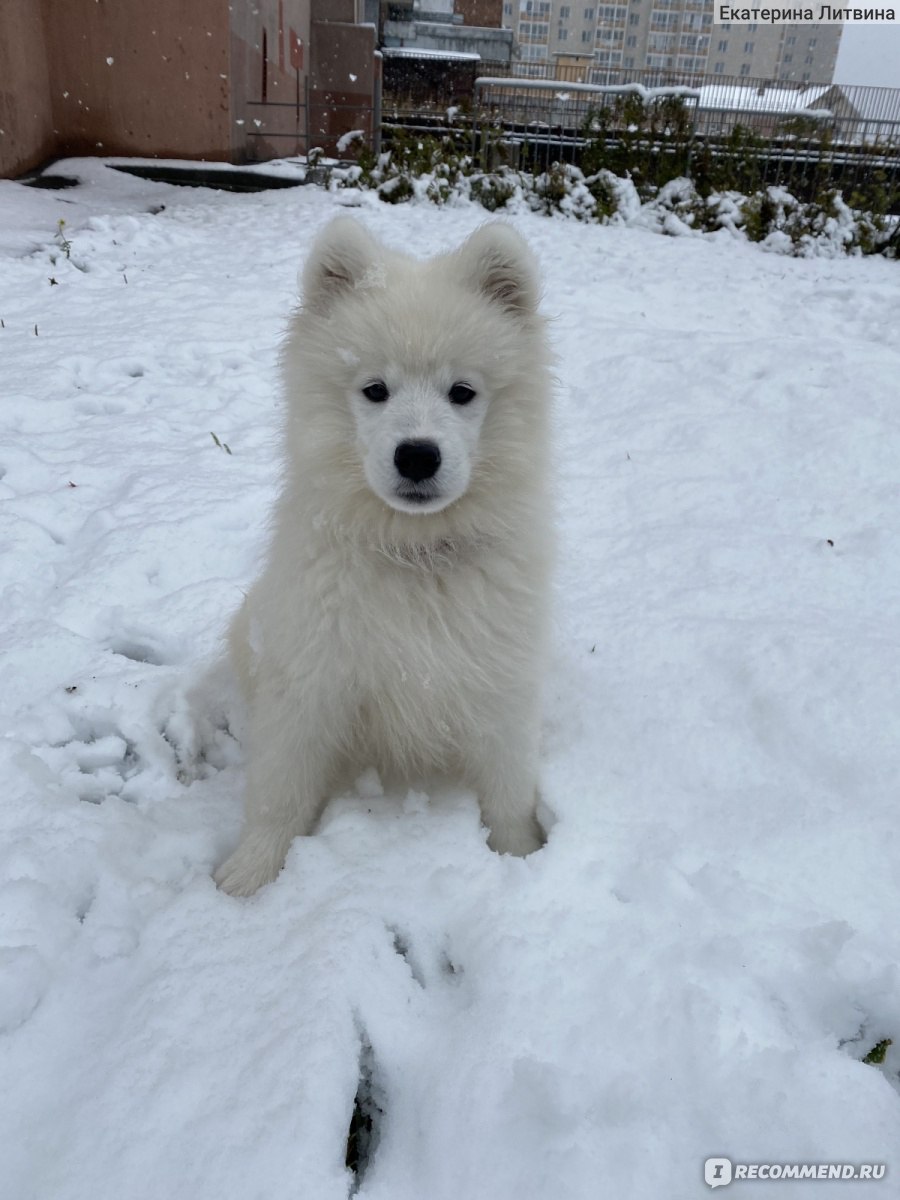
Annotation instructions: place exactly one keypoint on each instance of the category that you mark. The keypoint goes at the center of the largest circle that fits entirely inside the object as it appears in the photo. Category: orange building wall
(26, 114)
(480, 12)
(140, 78)
(283, 28)
(342, 81)
(169, 79)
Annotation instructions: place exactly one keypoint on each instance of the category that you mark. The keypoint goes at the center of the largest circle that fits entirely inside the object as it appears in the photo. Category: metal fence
(282, 126)
(722, 133)
(859, 111)
(867, 110)
(278, 128)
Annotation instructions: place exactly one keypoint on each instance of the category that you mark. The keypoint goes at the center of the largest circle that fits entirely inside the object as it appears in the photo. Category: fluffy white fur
(388, 630)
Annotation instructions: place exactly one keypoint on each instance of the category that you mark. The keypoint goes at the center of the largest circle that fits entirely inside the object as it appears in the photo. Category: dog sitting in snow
(400, 620)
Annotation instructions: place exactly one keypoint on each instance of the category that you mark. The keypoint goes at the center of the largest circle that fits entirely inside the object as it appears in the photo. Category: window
(788, 58)
(589, 14)
(809, 60)
(634, 18)
(805, 78)
(719, 69)
(585, 35)
(748, 47)
(562, 35)
(792, 40)
(745, 68)
(723, 45)
(564, 12)
(812, 42)
(752, 28)
(265, 68)
(631, 41)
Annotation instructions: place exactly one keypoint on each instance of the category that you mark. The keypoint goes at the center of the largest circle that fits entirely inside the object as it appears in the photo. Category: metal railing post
(376, 116)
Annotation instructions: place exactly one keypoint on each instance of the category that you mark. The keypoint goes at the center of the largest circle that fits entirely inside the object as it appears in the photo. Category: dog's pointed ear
(343, 257)
(497, 262)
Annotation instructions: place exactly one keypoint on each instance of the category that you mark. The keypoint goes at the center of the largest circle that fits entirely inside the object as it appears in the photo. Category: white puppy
(400, 620)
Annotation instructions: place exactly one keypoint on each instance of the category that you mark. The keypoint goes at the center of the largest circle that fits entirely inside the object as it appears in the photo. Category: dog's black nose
(417, 460)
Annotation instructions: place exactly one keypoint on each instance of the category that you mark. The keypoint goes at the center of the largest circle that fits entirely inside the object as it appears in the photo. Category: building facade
(447, 27)
(676, 35)
(233, 80)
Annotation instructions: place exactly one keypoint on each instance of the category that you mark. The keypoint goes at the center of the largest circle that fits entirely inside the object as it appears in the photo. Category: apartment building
(677, 35)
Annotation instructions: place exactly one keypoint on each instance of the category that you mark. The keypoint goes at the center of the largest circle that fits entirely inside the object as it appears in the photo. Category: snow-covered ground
(708, 945)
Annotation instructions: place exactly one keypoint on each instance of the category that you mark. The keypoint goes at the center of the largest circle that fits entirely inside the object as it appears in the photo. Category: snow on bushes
(435, 170)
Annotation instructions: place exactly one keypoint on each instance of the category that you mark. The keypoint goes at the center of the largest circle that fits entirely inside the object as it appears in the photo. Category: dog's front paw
(196, 723)
(519, 838)
(257, 860)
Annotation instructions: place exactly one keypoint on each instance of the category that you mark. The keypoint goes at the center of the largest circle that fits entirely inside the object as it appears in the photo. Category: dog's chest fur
(417, 645)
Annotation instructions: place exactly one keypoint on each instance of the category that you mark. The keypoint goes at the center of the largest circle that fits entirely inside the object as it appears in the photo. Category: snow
(708, 96)
(706, 948)
(770, 100)
(421, 52)
(346, 140)
(611, 89)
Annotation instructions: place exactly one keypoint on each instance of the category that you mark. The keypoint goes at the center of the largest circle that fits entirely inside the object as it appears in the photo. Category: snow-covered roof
(754, 99)
(612, 89)
(711, 95)
(418, 52)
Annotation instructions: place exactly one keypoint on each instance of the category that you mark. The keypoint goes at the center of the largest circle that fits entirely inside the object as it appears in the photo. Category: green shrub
(760, 215)
(492, 191)
(439, 169)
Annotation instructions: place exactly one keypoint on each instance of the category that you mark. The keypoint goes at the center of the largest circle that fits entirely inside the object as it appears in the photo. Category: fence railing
(275, 128)
(858, 113)
(854, 114)
(783, 136)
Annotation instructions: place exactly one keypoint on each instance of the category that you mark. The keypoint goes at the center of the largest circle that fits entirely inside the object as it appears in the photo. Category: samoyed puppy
(401, 617)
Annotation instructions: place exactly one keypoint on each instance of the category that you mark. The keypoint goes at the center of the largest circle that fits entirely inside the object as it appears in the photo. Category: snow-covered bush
(495, 190)
(434, 169)
(826, 226)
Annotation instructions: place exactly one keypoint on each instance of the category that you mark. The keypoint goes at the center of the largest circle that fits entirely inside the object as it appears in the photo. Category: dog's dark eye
(461, 393)
(376, 392)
